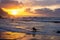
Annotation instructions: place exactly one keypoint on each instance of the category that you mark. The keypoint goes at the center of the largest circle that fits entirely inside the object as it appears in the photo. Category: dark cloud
(5, 1)
(57, 12)
(36, 2)
(28, 9)
(11, 4)
(3, 14)
(58, 1)
(32, 2)
(45, 10)
(45, 2)
(48, 12)
(8, 3)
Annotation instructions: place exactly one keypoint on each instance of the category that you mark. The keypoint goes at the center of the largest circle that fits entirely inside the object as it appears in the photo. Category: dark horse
(34, 30)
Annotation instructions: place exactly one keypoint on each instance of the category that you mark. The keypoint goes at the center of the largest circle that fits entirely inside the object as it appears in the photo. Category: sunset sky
(33, 7)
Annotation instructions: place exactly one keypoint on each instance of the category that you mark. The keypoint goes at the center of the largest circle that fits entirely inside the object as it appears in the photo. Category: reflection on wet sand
(11, 35)
(23, 36)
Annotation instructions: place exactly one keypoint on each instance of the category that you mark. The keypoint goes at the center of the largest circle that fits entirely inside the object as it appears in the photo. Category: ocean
(46, 27)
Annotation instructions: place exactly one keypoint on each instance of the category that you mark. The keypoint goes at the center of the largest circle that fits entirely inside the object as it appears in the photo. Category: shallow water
(48, 27)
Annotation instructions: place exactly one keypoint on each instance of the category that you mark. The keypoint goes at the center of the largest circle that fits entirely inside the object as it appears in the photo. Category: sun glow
(20, 12)
(14, 12)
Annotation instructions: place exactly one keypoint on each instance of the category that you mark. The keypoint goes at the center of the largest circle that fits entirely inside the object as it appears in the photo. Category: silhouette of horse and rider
(34, 30)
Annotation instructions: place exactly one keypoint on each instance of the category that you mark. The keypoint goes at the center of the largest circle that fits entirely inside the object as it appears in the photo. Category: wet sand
(23, 36)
